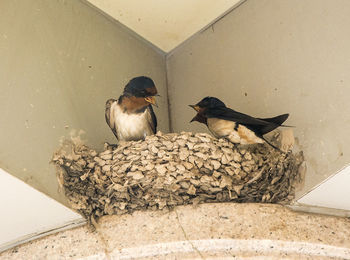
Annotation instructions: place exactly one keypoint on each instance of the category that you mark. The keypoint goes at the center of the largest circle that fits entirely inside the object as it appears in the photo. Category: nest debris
(166, 170)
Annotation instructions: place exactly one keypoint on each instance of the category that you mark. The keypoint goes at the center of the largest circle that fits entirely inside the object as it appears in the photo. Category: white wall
(269, 57)
(332, 193)
(60, 62)
(27, 212)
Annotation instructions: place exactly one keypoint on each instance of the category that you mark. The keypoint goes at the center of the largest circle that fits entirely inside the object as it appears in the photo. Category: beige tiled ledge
(224, 230)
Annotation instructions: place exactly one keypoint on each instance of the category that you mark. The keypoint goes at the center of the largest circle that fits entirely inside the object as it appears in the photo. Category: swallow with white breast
(131, 117)
(237, 127)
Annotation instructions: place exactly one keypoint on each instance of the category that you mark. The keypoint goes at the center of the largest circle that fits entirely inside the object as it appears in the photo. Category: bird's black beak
(151, 100)
(193, 119)
(195, 107)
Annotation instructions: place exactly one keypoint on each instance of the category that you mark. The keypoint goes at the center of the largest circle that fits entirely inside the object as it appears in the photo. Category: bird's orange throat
(133, 104)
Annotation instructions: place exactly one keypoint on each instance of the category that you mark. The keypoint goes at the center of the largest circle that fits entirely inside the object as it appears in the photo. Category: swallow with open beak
(131, 117)
(235, 126)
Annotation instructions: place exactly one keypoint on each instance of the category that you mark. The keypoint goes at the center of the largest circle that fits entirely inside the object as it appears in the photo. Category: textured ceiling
(166, 24)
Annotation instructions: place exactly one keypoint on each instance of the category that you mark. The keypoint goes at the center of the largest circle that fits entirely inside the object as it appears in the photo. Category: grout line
(37, 235)
(104, 242)
(185, 235)
(296, 206)
(170, 123)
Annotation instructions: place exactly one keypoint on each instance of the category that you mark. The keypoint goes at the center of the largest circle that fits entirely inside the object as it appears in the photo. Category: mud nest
(166, 170)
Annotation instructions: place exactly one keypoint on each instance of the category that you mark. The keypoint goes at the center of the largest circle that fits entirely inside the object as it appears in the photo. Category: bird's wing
(109, 115)
(226, 113)
(260, 126)
(152, 119)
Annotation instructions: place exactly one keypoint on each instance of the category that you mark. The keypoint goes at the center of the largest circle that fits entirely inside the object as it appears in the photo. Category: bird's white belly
(224, 128)
(131, 126)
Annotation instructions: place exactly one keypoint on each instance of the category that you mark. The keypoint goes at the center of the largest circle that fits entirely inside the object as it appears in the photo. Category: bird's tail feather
(274, 122)
(273, 146)
(277, 119)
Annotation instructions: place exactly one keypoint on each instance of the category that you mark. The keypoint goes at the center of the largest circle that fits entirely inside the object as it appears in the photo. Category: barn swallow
(131, 117)
(235, 126)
